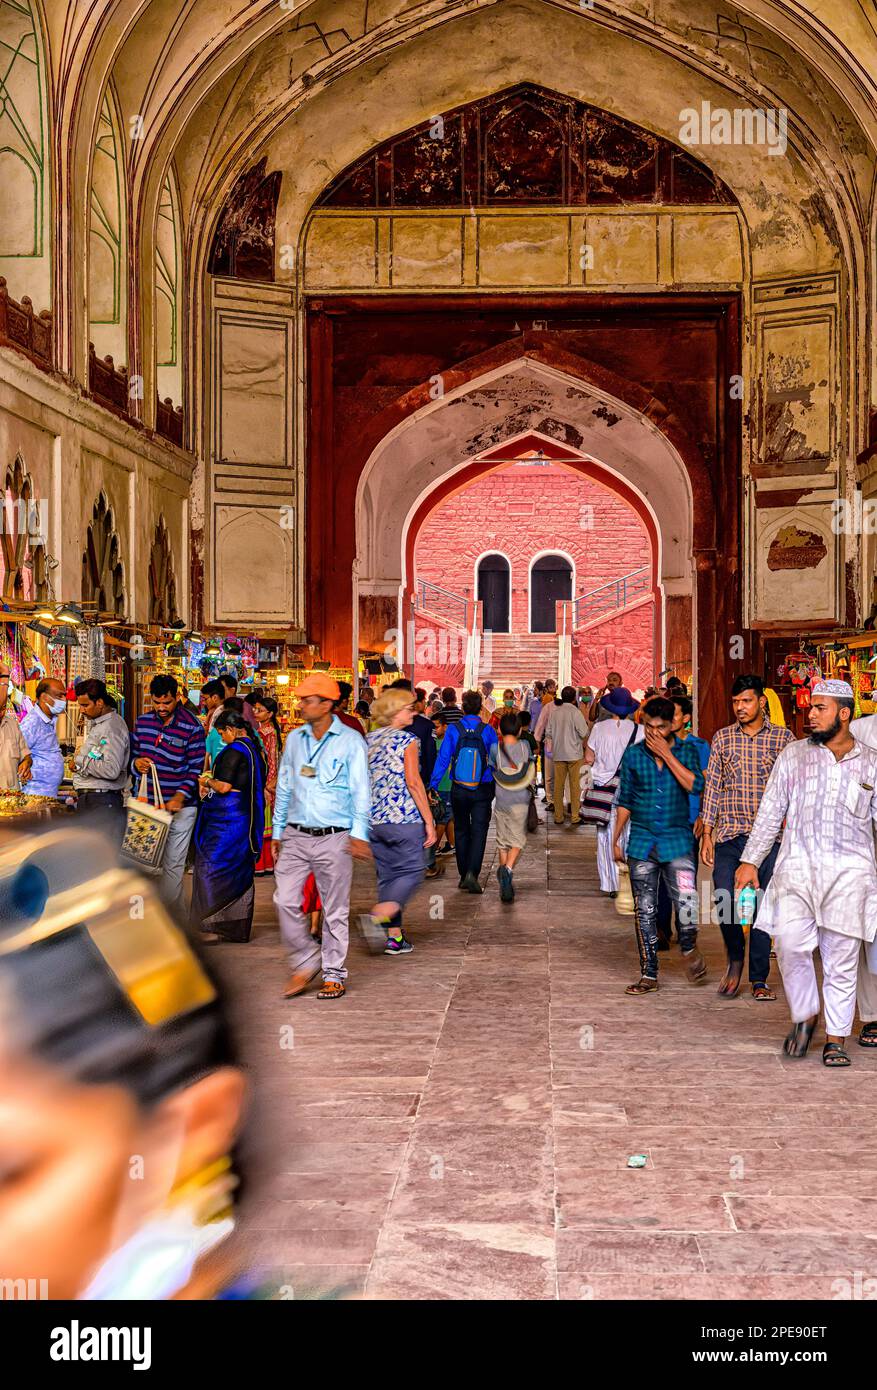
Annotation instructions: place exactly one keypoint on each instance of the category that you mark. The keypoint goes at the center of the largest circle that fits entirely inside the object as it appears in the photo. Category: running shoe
(397, 948)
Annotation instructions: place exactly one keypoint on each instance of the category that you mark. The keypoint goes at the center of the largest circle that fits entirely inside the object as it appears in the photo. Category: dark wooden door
(550, 581)
(493, 592)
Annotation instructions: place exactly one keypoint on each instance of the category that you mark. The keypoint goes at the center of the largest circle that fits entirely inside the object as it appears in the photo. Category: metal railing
(618, 593)
(432, 598)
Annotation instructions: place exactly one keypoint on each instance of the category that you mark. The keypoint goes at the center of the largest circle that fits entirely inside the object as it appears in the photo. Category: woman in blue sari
(228, 834)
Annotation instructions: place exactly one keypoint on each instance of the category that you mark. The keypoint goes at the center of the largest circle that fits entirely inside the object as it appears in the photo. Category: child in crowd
(513, 771)
(445, 820)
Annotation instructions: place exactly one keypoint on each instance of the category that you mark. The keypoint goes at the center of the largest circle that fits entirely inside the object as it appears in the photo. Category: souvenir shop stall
(792, 668)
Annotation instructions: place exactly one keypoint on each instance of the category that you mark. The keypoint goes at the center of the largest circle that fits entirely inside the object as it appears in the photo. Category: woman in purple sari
(228, 834)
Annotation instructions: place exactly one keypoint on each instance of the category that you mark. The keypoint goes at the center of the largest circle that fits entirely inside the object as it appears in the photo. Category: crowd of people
(783, 827)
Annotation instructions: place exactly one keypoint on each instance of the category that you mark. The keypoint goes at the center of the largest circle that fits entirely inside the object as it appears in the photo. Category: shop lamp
(282, 680)
(45, 613)
(69, 614)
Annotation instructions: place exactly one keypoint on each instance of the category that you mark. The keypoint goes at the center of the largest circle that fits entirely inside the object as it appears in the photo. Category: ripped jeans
(680, 877)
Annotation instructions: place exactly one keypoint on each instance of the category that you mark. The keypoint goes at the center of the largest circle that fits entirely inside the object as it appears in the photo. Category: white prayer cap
(838, 690)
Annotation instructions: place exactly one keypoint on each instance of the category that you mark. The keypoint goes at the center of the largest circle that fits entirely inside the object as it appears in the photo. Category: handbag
(146, 828)
(532, 813)
(597, 801)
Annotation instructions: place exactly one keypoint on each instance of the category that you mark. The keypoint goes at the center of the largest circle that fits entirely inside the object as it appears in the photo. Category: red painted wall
(521, 510)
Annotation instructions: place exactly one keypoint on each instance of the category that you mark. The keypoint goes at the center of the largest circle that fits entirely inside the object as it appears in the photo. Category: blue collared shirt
(703, 752)
(338, 793)
(41, 737)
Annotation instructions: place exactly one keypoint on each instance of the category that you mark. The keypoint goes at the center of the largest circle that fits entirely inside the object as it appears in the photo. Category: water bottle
(746, 902)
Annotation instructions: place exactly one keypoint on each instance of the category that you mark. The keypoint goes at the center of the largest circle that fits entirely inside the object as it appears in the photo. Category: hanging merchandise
(88, 654)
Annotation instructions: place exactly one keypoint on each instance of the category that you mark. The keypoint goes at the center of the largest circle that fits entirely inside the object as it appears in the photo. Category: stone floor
(459, 1125)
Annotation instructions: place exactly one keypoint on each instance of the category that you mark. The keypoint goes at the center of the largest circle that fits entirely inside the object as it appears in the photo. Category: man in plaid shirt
(657, 778)
(741, 759)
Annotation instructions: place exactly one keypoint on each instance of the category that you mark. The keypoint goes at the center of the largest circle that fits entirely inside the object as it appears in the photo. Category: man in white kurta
(824, 884)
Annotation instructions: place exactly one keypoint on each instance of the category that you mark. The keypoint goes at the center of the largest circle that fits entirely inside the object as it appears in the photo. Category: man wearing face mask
(40, 730)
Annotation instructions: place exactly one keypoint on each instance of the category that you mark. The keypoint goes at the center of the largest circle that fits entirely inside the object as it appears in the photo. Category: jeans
(471, 807)
(665, 906)
(680, 876)
(727, 859)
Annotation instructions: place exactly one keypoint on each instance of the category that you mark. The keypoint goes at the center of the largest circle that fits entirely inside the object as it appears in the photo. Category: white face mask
(57, 706)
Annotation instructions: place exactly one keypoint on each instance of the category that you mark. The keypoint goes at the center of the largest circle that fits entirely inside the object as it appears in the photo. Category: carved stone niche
(243, 243)
(526, 145)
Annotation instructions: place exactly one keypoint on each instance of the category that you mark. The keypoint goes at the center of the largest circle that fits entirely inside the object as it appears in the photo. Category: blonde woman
(401, 825)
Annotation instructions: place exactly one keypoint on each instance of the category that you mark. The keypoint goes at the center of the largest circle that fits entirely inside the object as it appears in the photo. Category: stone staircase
(517, 658)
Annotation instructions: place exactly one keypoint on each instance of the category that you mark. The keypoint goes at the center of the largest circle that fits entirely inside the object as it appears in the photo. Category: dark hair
(271, 706)
(93, 689)
(844, 702)
(345, 690)
(440, 718)
(256, 695)
(448, 695)
(524, 719)
(748, 682)
(234, 705)
(401, 684)
(231, 719)
(684, 702)
(163, 685)
(471, 702)
(213, 688)
(568, 695)
(673, 682)
(228, 678)
(73, 1013)
(46, 682)
(659, 708)
(538, 685)
(420, 694)
(361, 707)
(510, 723)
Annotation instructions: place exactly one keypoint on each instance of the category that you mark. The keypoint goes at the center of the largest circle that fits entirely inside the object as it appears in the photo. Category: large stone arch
(428, 446)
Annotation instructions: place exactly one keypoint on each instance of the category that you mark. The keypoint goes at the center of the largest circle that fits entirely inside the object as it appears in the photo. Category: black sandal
(868, 1035)
(833, 1055)
(798, 1041)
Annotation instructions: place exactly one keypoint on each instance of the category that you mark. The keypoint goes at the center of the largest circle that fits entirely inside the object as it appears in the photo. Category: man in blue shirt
(471, 804)
(658, 776)
(320, 824)
(684, 708)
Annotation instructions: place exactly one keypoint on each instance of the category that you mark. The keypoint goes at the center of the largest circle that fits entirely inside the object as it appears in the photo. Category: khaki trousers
(562, 771)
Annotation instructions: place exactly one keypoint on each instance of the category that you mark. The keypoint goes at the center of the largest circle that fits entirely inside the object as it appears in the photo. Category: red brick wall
(522, 510)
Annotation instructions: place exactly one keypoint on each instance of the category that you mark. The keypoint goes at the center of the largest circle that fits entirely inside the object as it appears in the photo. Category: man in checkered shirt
(741, 759)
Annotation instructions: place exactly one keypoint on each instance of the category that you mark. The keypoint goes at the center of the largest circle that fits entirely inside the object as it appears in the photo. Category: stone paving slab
(458, 1126)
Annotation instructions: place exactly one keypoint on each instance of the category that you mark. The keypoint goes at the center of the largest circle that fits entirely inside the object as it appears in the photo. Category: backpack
(470, 757)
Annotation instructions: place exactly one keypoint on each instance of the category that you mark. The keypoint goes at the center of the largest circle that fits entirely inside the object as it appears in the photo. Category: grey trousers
(326, 857)
(173, 865)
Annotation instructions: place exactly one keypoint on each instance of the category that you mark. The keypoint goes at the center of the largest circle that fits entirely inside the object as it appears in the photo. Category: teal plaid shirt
(658, 805)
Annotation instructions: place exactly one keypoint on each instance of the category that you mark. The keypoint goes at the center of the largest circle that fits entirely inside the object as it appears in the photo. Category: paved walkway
(459, 1125)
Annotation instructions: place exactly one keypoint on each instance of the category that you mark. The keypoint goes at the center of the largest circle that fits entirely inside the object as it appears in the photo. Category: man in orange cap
(321, 816)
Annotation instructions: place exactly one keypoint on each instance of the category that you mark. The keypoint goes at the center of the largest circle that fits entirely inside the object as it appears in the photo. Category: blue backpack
(470, 757)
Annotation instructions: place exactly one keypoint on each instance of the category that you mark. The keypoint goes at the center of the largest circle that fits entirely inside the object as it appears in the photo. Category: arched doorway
(550, 582)
(493, 589)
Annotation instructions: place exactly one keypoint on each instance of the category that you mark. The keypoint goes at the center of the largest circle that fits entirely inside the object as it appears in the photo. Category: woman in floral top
(401, 824)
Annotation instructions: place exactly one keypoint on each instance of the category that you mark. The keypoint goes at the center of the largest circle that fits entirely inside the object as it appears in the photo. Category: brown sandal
(643, 986)
(332, 989)
(763, 994)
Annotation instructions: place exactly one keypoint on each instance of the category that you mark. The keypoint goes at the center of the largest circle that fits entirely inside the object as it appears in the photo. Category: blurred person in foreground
(120, 1094)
